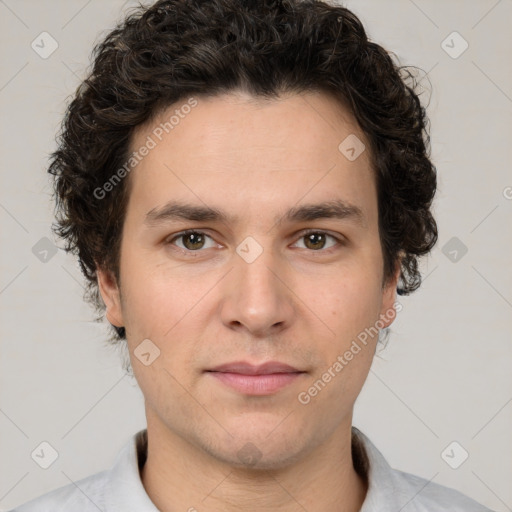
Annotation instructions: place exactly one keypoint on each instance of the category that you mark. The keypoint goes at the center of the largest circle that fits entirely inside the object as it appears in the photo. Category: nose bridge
(258, 298)
(254, 268)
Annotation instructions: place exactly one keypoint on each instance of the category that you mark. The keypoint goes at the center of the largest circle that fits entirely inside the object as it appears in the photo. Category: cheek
(151, 300)
(164, 309)
(351, 304)
(146, 311)
(347, 351)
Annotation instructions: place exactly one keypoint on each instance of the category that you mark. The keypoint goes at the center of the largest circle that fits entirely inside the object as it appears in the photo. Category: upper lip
(245, 368)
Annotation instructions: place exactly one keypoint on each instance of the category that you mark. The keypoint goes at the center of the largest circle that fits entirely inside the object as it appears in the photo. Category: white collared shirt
(120, 489)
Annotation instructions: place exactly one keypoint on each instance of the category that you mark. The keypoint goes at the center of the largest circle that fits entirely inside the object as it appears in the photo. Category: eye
(316, 240)
(192, 240)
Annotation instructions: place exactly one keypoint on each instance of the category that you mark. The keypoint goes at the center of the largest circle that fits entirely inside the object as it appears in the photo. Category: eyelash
(303, 234)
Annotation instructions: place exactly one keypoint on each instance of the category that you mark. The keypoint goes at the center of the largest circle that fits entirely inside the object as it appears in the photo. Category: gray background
(446, 373)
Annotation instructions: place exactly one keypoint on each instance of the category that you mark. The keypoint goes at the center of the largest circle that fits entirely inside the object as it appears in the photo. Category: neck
(178, 475)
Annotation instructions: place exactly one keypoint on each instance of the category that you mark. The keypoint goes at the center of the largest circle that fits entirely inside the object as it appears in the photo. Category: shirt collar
(125, 491)
(383, 490)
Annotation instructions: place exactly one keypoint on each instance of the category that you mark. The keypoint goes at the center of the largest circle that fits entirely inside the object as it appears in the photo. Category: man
(246, 185)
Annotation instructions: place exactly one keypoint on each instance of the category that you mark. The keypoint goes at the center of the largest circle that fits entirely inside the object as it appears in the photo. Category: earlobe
(109, 291)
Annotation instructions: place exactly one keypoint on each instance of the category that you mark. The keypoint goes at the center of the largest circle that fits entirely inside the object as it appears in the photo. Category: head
(295, 151)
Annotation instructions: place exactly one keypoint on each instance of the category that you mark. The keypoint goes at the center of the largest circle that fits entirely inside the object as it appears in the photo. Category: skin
(203, 305)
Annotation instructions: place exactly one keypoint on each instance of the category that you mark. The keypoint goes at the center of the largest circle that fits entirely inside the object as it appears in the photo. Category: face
(261, 276)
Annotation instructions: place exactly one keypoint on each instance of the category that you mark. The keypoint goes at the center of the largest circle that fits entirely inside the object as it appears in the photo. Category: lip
(264, 379)
(244, 368)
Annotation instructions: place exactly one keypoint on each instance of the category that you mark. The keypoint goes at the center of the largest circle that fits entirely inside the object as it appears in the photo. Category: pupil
(194, 240)
(312, 236)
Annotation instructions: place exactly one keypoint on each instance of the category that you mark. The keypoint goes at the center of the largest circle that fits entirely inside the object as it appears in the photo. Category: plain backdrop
(446, 372)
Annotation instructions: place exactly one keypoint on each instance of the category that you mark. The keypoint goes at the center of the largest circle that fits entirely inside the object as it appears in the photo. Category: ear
(388, 310)
(110, 293)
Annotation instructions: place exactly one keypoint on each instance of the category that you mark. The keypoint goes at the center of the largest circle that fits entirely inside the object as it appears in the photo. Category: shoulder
(390, 490)
(86, 495)
(118, 488)
(421, 495)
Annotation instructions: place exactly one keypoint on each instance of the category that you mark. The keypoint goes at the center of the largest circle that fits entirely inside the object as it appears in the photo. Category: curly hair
(160, 54)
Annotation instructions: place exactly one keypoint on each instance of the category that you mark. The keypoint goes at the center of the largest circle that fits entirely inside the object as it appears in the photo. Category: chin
(259, 451)
(250, 458)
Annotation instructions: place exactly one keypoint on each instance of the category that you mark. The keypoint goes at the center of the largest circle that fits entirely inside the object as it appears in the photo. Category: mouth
(263, 379)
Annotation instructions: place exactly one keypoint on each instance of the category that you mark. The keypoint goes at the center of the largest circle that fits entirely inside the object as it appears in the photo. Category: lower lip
(256, 384)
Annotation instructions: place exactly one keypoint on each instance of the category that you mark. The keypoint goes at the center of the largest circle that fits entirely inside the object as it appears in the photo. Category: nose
(257, 296)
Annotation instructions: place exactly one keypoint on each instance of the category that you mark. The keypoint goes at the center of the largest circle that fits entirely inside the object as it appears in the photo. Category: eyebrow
(335, 209)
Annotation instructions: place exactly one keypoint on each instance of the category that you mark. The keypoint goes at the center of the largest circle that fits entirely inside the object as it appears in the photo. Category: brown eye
(316, 240)
(191, 240)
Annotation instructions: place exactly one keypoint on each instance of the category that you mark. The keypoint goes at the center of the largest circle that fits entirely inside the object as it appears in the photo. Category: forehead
(251, 152)
(298, 120)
